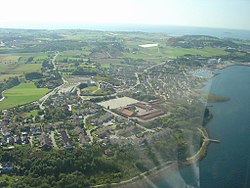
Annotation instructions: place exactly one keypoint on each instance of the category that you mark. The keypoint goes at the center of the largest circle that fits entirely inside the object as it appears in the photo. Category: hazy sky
(206, 13)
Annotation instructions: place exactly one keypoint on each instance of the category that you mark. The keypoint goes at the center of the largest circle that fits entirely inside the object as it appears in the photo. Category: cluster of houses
(9, 139)
(102, 119)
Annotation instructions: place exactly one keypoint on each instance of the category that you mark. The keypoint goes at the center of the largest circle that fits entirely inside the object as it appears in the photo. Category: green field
(207, 51)
(22, 94)
(166, 52)
(25, 68)
(90, 89)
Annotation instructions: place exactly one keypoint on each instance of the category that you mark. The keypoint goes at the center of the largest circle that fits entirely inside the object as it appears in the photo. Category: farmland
(17, 64)
(115, 97)
(22, 94)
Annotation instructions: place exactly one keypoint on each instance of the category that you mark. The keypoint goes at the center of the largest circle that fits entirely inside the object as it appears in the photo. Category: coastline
(167, 168)
(230, 64)
(146, 178)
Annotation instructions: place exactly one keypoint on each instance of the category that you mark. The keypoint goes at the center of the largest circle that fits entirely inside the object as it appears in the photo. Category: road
(88, 131)
(55, 90)
(52, 136)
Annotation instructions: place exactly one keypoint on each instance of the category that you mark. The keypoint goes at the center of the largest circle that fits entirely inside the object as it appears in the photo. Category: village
(116, 117)
(108, 102)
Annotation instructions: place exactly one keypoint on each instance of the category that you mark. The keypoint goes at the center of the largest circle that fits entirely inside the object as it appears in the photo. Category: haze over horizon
(230, 14)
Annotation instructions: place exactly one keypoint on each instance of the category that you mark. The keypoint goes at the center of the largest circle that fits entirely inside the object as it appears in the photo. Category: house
(82, 140)
(143, 106)
(17, 139)
(65, 138)
(25, 130)
(6, 132)
(78, 130)
(93, 111)
(3, 143)
(103, 133)
(5, 121)
(11, 140)
(48, 127)
(6, 168)
(25, 140)
(35, 130)
(127, 113)
(103, 119)
(45, 142)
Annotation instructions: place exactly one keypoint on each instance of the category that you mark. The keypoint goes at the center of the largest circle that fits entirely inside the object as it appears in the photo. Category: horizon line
(79, 26)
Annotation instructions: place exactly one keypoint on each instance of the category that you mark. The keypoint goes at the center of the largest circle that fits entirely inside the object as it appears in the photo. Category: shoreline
(230, 64)
(167, 168)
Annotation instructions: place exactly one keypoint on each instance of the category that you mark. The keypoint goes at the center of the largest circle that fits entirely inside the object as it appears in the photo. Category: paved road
(55, 90)
(52, 136)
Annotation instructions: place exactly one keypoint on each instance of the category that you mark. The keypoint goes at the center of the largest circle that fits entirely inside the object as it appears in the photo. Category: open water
(227, 164)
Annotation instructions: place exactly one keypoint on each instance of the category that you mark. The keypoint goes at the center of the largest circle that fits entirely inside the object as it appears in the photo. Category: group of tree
(84, 72)
(11, 82)
(33, 75)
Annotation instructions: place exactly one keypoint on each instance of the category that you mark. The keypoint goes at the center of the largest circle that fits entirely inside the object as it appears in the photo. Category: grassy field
(90, 89)
(207, 51)
(16, 68)
(22, 94)
(24, 68)
(149, 53)
(9, 58)
(15, 65)
(4, 77)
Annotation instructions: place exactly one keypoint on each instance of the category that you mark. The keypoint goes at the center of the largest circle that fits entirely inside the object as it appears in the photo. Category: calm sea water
(168, 29)
(227, 164)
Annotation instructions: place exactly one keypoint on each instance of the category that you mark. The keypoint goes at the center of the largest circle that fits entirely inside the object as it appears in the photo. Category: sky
(233, 14)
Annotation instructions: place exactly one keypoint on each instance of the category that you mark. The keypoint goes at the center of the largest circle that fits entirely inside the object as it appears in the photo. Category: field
(16, 65)
(148, 53)
(22, 94)
(207, 51)
(118, 103)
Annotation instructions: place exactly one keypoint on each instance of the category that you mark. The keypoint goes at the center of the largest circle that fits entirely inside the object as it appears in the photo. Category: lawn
(25, 68)
(149, 53)
(4, 77)
(90, 89)
(22, 94)
(9, 58)
(207, 51)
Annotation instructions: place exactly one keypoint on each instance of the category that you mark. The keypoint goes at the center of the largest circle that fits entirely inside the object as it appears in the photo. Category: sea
(227, 164)
(167, 29)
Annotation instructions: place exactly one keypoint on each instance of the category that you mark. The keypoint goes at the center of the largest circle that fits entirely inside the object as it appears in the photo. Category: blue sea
(168, 29)
(227, 164)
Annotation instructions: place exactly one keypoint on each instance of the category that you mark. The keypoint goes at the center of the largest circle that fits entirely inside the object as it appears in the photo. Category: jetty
(206, 138)
(213, 140)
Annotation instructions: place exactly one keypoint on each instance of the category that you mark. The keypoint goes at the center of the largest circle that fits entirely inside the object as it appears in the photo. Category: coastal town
(108, 121)
(108, 98)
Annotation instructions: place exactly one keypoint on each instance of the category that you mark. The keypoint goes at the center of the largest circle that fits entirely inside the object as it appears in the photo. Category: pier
(213, 140)
(206, 138)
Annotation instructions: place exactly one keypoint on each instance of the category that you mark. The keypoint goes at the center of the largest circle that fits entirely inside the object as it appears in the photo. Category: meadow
(22, 94)
(12, 65)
